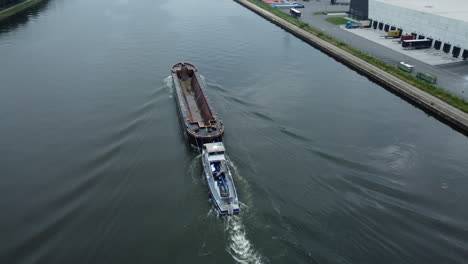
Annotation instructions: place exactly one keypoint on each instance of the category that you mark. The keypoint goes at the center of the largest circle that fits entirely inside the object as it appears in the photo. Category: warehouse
(444, 22)
(359, 9)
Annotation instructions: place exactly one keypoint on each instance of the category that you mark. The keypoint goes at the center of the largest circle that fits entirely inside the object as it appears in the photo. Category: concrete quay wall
(441, 110)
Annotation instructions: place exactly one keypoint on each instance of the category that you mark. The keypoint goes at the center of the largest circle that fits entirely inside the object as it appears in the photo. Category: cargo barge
(199, 120)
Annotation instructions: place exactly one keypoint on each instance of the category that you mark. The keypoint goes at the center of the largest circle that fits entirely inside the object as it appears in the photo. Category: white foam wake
(195, 170)
(239, 246)
(242, 184)
(169, 85)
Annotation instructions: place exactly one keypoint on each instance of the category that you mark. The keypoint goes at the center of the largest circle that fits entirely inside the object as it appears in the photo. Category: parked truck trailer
(393, 34)
(416, 44)
(407, 37)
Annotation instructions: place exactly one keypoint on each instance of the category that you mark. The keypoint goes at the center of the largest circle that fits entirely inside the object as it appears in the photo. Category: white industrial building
(443, 21)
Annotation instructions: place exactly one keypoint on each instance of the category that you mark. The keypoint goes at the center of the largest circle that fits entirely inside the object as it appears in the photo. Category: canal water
(329, 167)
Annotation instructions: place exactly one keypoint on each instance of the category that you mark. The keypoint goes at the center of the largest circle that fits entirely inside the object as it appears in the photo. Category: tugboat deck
(219, 179)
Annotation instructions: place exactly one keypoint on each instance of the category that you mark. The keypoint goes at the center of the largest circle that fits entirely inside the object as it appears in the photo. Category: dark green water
(330, 167)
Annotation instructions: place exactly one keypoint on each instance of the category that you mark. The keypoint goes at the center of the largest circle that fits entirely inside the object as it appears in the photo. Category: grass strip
(337, 20)
(443, 95)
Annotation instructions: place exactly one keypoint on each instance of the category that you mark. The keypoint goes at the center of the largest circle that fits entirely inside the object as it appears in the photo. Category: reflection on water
(20, 19)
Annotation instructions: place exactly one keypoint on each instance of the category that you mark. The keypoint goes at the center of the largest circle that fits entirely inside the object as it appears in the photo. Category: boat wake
(239, 246)
(242, 183)
(237, 243)
(168, 84)
(195, 169)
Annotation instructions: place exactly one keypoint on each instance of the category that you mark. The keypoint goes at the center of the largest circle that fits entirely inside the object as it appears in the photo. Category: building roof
(455, 9)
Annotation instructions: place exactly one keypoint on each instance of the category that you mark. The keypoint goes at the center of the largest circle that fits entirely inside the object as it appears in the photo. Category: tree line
(5, 3)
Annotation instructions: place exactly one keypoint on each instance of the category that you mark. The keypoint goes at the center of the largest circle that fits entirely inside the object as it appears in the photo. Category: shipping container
(393, 34)
(427, 77)
(405, 67)
(407, 37)
(269, 2)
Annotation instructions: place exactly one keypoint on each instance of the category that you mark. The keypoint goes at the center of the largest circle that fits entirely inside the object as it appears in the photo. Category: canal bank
(429, 103)
(452, 77)
(21, 7)
(92, 133)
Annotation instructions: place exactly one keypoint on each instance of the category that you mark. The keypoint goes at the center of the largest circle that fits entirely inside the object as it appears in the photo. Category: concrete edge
(427, 102)
(18, 8)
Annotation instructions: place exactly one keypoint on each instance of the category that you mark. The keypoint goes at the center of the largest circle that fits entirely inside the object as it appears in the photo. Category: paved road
(452, 77)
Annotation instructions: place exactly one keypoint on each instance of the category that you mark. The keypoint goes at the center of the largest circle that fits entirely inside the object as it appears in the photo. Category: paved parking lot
(429, 56)
(451, 76)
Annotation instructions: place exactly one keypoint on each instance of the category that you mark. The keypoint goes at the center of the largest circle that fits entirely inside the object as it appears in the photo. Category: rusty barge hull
(199, 121)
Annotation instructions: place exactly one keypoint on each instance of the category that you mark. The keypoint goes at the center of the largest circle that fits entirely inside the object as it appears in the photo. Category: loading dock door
(446, 48)
(392, 28)
(456, 52)
(380, 25)
(437, 45)
(421, 37)
(432, 41)
(386, 28)
(375, 24)
(465, 54)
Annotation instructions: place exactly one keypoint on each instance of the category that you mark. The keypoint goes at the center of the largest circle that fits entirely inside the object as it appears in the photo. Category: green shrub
(337, 20)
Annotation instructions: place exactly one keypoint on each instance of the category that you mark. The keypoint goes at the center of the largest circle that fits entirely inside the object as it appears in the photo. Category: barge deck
(198, 118)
